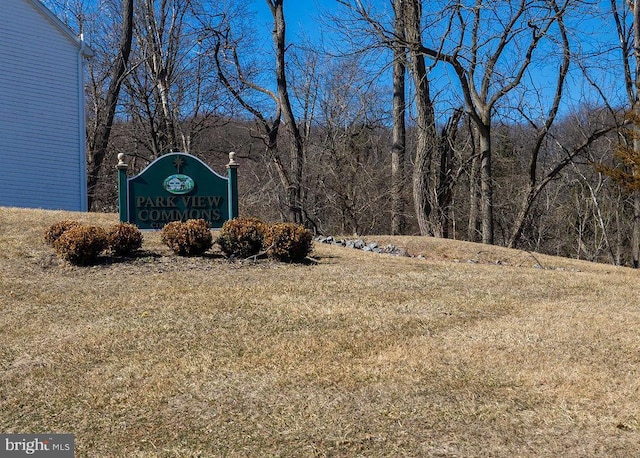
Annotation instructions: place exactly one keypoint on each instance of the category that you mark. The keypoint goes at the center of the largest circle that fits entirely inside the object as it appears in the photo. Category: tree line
(503, 122)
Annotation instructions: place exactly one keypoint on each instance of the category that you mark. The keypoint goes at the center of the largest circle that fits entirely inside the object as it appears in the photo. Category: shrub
(124, 239)
(81, 245)
(190, 238)
(57, 229)
(288, 242)
(242, 237)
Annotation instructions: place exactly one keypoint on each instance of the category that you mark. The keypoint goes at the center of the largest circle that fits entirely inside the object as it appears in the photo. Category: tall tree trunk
(472, 222)
(635, 248)
(635, 233)
(521, 216)
(297, 150)
(167, 114)
(421, 179)
(446, 179)
(427, 135)
(486, 186)
(97, 148)
(398, 147)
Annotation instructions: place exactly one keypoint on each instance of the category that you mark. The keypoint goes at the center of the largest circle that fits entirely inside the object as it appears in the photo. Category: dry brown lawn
(469, 351)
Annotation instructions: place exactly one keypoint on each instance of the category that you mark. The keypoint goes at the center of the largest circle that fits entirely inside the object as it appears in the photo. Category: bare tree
(489, 47)
(161, 58)
(480, 43)
(626, 172)
(631, 65)
(426, 132)
(284, 105)
(534, 185)
(448, 173)
(404, 39)
(230, 70)
(347, 154)
(169, 96)
(398, 148)
(105, 106)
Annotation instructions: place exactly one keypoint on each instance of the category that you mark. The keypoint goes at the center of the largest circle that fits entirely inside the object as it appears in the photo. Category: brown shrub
(54, 231)
(190, 238)
(242, 237)
(124, 239)
(288, 242)
(81, 245)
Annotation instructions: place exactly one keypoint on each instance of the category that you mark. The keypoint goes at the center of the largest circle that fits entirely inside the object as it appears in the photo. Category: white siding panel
(41, 157)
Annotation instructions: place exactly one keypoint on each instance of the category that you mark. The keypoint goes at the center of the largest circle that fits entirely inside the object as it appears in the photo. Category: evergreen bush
(189, 238)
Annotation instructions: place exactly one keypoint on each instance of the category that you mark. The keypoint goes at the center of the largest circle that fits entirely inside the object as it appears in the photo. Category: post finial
(232, 159)
(121, 163)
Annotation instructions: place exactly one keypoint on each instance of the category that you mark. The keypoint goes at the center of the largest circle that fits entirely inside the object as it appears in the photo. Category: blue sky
(305, 20)
(302, 16)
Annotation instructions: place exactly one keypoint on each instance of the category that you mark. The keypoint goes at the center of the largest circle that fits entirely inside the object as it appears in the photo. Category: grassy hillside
(469, 351)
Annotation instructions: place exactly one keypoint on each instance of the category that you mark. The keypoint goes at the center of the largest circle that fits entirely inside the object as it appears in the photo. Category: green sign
(177, 187)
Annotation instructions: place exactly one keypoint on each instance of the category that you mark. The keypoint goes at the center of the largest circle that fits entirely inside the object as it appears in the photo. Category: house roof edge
(64, 28)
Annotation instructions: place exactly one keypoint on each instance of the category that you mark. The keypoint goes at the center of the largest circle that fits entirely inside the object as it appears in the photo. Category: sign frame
(177, 187)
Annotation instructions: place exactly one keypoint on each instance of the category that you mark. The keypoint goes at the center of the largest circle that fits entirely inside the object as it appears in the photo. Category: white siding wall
(41, 152)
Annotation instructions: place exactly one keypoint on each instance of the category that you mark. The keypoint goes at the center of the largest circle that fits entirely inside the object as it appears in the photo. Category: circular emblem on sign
(178, 184)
